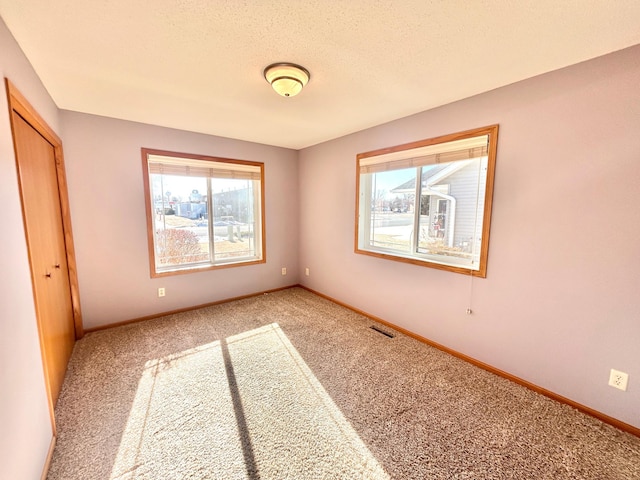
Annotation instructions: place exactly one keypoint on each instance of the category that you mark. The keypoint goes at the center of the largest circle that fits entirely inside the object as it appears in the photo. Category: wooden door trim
(21, 106)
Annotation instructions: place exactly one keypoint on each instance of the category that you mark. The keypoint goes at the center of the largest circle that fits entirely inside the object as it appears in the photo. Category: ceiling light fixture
(287, 79)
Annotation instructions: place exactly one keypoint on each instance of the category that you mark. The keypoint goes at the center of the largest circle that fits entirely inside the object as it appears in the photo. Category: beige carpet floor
(291, 386)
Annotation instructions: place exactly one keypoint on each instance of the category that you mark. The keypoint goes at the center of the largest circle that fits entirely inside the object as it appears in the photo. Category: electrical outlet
(306, 271)
(618, 379)
(284, 270)
(161, 292)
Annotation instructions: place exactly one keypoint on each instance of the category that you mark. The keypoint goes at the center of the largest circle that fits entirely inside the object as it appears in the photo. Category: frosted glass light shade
(287, 79)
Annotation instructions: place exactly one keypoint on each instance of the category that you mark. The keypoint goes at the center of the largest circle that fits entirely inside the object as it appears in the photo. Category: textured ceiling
(197, 64)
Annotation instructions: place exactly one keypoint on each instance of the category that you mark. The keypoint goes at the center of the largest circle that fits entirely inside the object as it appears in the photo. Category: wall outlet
(284, 270)
(618, 379)
(161, 292)
(306, 271)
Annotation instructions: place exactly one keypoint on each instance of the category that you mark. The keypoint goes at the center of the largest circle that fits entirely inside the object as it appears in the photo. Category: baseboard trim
(47, 462)
(182, 310)
(543, 391)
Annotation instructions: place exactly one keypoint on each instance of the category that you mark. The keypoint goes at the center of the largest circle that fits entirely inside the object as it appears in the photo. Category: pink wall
(25, 428)
(559, 306)
(104, 172)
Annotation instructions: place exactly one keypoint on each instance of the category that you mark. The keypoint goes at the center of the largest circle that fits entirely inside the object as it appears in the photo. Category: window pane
(451, 212)
(235, 222)
(392, 194)
(179, 220)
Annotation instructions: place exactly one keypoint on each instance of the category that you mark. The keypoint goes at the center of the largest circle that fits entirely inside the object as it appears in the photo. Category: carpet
(289, 385)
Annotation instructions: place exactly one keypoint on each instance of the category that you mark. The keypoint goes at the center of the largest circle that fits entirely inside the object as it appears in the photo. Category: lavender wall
(559, 306)
(104, 172)
(25, 427)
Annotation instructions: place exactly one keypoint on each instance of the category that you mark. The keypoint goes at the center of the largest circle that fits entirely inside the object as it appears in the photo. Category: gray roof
(427, 172)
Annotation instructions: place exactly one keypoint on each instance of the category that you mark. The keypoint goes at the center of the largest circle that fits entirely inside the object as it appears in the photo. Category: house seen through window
(202, 212)
(429, 202)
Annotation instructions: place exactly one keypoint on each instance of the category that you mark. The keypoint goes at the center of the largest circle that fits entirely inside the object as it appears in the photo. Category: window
(429, 202)
(202, 212)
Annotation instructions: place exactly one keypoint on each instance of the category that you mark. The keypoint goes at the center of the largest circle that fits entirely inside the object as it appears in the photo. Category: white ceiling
(197, 64)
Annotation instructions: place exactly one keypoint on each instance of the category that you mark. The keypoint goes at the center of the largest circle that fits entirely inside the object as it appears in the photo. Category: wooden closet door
(46, 243)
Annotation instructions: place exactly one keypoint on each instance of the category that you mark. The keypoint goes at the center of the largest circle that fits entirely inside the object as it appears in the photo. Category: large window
(202, 212)
(429, 202)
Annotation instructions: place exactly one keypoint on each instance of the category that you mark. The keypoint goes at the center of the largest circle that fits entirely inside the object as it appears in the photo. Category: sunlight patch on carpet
(244, 407)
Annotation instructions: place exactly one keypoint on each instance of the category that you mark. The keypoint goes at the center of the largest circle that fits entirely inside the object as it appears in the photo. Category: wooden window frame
(149, 211)
(406, 153)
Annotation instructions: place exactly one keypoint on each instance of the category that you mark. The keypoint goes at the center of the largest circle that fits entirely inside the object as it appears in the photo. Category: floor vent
(383, 332)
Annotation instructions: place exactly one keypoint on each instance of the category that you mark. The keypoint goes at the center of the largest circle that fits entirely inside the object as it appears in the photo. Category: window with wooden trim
(429, 202)
(202, 212)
